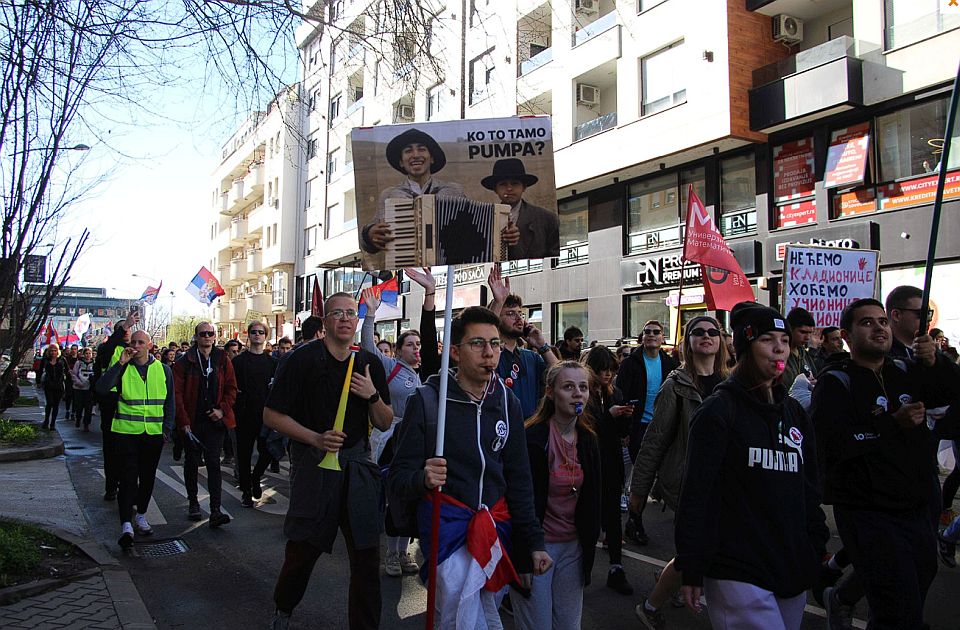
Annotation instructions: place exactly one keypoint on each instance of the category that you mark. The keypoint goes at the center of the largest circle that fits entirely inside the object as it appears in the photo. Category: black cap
(749, 320)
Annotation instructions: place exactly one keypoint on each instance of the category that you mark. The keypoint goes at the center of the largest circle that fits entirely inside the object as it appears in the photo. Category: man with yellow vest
(143, 422)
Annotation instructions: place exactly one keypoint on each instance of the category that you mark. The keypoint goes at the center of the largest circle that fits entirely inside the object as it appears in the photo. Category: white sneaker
(126, 536)
(408, 565)
(142, 526)
(392, 565)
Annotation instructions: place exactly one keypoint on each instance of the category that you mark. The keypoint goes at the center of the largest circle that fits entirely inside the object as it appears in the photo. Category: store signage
(799, 213)
(847, 156)
(657, 272)
(464, 275)
(855, 236)
(793, 170)
(824, 280)
(917, 192)
(463, 297)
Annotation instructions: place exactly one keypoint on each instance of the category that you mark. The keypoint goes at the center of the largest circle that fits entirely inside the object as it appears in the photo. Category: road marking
(809, 608)
(203, 497)
(154, 515)
(279, 506)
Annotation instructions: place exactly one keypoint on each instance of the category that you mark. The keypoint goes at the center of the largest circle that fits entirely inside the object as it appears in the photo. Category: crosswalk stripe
(154, 515)
(203, 497)
(279, 506)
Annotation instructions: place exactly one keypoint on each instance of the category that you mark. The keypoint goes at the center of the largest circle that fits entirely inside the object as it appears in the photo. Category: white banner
(824, 280)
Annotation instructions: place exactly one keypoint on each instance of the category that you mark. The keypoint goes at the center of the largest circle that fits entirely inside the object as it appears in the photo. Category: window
(909, 21)
(642, 308)
(794, 183)
(309, 240)
(646, 5)
(333, 159)
(662, 75)
(574, 230)
(268, 236)
(910, 140)
(333, 57)
(308, 192)
(738, 195)
(334, 220)
(656, 207)
(433, 101)
(311, 147)
(333, 111)
(279, 288)
(482, 70)
(274, 233)
(566, 314)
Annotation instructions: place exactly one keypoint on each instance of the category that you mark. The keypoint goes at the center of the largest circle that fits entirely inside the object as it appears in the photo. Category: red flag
(316, 303)
(724, 282)
(50, 334)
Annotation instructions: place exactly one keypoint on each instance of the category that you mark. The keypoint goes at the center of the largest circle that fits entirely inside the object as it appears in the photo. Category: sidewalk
(40, 491)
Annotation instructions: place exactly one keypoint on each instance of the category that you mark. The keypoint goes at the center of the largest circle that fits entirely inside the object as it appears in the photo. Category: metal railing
(595, 126)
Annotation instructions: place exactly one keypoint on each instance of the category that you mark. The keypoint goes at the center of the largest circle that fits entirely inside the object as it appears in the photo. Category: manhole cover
(160, 549)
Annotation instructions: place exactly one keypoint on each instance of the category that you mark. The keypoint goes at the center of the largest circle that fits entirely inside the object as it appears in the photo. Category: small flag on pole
(388, 292)
(150, 294)
(205, 287)
(724, 282)
(82, 325)
(316, 302)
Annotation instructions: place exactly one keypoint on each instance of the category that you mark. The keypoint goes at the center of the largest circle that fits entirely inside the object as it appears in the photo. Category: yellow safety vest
(140, 408)
(113, 360)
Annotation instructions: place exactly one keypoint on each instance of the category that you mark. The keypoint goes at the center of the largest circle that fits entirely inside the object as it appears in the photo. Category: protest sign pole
(938, 206)
(438, 452)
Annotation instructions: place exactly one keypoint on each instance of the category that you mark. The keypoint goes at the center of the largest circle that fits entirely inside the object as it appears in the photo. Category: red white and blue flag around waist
(472, 555)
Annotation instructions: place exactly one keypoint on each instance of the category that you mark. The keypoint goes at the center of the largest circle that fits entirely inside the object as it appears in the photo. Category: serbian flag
(472, 555)
(50, 334)
(71, 339)
(204, 287)
(82, 325)
(724, 282)
(150, 294)
(388, 292)
(316, 302)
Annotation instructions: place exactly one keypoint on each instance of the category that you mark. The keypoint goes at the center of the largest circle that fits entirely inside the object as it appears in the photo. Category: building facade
(253, 220)
(748, 101)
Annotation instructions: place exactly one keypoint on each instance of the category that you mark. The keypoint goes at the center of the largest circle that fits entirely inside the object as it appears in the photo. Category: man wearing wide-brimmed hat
(418, 156)
(539, 228)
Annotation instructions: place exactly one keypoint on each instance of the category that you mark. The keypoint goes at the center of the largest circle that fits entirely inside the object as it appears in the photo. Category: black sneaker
(218, 518)
(633, 530)
(948, 551)
(246, 500)
(651, 620)
(839, 615)
(193, 512)
(255, 490)
(617, 580)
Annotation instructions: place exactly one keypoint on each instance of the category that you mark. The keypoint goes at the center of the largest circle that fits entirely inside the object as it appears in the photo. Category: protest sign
(824, 280)
(464, 166)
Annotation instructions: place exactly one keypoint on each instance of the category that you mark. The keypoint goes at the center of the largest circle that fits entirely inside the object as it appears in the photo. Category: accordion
(430, 230)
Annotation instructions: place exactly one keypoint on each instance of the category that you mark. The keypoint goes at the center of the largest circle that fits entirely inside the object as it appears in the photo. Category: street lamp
(76, 147)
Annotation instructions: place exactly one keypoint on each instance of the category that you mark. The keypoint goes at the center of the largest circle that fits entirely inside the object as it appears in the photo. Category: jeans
(210, 435)
(139, 456)
(83, 405)
(248, 435)
(738, 605)
(51, 409)
(895, 556)
(556, 597)
(952, 532)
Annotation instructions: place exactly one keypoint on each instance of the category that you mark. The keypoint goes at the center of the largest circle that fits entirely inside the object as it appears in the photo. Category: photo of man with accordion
(538, 229)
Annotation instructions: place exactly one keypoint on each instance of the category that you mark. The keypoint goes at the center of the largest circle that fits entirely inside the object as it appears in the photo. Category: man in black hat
(418, 156)
(538, 228)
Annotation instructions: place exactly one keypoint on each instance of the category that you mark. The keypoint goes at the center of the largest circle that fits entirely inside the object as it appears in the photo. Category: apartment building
(746, 100)
(253, 220)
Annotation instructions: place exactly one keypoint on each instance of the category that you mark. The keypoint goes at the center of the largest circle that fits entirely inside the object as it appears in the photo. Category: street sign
(35, 268)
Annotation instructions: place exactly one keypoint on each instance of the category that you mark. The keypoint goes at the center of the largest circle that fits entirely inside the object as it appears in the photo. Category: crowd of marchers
(744, 431)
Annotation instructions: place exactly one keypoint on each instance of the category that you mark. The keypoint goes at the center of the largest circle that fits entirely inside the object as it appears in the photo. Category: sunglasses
(206, 333)
(700, 332)
(652, 332)
(917, 311)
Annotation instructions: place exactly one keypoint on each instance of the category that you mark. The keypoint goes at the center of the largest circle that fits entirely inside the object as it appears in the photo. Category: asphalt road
(225, 579)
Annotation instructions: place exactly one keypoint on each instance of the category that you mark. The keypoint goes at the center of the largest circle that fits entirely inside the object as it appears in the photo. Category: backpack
(401, 517)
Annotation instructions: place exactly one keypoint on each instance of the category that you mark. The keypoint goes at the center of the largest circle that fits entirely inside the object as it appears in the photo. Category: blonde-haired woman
(565, 466)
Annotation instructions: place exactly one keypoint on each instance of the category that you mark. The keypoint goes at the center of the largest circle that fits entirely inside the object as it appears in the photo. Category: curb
(20, 454)
(14, 594)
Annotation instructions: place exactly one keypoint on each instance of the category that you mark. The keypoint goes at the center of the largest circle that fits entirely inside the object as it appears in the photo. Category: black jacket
(506, 471)
(632, 381)
(610, 433)
(104, 354)
(868, 460)
(750, 502)
(53, 377)
(586, 518)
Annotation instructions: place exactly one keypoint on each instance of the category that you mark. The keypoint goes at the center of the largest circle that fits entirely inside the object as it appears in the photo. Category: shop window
(909, 21)
(911, 140)
(656, 207)
(738, 195)
(566, 314)
(642, 308)
(574, 229)
(794, 183)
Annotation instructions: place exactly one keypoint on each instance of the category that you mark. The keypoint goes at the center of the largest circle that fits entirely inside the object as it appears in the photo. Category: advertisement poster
(917, 192)
(793, 170)
(799, 213)
(485, 189)
(824, 280)
(847, 156)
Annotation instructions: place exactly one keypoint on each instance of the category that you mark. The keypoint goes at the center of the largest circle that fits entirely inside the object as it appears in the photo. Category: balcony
(814, 83)
(238, 230)
(598, 26)
(259, 302)
(223, 274)
(253, 182)
(219, 313)
(254, 260)
(536, 61)
(238, 310)
(234, 195)
(595, 126)
(238, 269)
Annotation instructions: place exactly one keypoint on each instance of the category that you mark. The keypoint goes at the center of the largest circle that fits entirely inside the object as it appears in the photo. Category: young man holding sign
(304, 405)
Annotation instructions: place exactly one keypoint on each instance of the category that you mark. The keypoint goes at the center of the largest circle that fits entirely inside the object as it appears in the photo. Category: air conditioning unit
(587, 94)
(587, 7)
(787, 29)
(405, 112)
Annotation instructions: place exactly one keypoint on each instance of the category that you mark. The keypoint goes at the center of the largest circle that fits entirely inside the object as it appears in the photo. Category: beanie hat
(800, 317)
(749, 320)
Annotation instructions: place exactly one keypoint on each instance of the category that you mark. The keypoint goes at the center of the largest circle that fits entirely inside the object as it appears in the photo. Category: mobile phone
(634, 402)
(527, 330)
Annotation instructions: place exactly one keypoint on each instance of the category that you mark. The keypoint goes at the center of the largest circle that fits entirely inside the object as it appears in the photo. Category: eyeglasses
(206, 333)
(652, 332)
(915, 310)
(339, 313)
(257, 332)
(514, 314)
(700, 332)
(477, 344)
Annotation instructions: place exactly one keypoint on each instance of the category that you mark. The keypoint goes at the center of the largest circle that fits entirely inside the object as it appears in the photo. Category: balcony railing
(594, 28)
(536, 61)
(280, 296)
(573, 254)
(354, 106)
(595, 126)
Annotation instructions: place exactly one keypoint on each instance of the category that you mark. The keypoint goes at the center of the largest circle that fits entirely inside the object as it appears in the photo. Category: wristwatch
(543, 349)
(374, 398)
